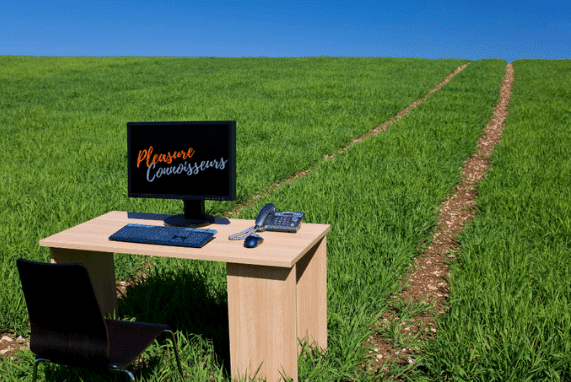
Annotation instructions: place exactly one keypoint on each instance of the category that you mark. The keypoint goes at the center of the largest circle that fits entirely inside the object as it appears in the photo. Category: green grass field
(510, 310)
(63, 145)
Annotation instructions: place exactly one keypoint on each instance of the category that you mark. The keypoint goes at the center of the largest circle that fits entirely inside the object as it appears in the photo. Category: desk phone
(271, 220)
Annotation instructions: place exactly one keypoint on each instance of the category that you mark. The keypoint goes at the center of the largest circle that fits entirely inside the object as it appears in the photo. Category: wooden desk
(277, 292)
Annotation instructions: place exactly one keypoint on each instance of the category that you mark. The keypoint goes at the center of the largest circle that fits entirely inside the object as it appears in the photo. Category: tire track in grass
(12, 344)
(427, 282)
(250, 203)
(122, 286)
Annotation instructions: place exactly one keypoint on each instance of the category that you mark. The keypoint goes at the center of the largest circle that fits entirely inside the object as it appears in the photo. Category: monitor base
(181, 221)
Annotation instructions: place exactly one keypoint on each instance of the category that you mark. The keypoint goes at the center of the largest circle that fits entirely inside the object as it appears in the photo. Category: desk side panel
(278, 249)
(312, 296)
(262, 320)
(101, 269)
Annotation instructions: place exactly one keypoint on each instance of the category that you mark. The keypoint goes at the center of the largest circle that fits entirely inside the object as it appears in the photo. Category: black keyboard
(152, 234)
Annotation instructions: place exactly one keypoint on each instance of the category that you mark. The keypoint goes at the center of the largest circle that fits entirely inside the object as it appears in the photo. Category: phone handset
(264, 212)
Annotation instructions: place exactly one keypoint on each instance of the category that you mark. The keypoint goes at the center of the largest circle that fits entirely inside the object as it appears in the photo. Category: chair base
(111, 367)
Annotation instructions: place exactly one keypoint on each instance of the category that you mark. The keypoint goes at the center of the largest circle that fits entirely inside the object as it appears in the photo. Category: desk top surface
(279, 249)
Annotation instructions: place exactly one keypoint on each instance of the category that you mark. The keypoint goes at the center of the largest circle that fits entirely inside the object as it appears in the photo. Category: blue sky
(267, 28)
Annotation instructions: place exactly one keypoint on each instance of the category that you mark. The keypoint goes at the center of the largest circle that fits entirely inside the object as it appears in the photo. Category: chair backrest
(67, 326)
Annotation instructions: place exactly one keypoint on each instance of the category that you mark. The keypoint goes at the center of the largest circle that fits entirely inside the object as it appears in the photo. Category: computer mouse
(253, 241)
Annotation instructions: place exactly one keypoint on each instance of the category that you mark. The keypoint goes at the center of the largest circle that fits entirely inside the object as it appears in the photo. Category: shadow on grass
(180, 299)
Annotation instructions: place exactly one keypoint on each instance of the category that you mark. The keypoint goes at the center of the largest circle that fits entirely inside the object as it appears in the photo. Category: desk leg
(270, 307)
(101, 271)
(312, 296)
(262, 321)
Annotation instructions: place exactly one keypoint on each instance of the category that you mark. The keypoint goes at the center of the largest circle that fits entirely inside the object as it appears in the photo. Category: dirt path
(427, 281)
(252, 201)
(9, 343)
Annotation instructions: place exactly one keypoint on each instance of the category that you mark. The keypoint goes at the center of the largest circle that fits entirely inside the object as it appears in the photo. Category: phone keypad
(278, 220)
(285, 221)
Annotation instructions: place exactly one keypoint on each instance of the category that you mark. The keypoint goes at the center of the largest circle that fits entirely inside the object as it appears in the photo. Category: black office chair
(68, 327)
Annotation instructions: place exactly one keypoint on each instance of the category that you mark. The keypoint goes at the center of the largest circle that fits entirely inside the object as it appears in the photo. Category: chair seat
(67, 326)
(127, 340)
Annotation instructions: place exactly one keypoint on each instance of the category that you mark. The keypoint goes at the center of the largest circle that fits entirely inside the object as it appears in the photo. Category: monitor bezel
(232, 160)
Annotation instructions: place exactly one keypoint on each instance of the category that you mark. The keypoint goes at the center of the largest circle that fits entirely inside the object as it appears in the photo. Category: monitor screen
(182, 160)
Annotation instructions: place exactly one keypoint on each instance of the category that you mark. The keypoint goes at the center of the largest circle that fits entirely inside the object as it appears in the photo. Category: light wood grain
(101, 269)
(279, 249)
(262, 320)
(277, 292)
(312, 297)
(270, 308)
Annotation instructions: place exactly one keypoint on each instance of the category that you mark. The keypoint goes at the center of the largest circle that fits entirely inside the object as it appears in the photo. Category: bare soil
(427, 282)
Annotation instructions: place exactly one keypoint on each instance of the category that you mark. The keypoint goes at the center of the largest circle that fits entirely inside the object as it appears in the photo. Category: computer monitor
(193, 161)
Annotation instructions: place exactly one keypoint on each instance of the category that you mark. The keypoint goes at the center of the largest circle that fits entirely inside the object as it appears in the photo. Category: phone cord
(243, 234)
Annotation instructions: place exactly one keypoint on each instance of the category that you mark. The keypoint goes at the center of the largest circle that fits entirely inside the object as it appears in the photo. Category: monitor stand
(193, 216)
